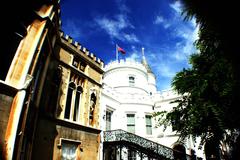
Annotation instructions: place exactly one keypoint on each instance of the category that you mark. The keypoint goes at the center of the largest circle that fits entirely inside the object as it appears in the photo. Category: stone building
(49, 89)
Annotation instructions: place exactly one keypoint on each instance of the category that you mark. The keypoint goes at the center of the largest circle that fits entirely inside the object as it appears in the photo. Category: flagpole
(116, 52)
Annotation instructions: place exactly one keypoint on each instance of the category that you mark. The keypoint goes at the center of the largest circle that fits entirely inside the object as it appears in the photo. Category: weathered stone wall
(92, 76)
(89, 147)
(49, 135)
(5, 107)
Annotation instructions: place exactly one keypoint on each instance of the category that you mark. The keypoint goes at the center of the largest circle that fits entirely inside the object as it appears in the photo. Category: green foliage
(161, 118)
(211, 88)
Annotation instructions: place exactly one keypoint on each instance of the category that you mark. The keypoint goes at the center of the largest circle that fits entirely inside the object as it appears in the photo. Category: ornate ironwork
(121, 135)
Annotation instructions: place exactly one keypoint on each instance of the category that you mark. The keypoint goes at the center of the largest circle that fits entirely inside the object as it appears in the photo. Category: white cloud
(161, 65)
(134, 54)
(166, 61)
(165, 70)
(131, 37)
(122, 6)
(158, 20)
(133, 57)
(183, 49)
(133, 47)
(187, 31)
(115, 27)
(166, 25)
(165, 67)
(171, 58)
(176, 6)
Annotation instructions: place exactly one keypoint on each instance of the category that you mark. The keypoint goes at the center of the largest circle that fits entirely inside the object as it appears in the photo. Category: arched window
(93, 99)
(73, 98)
(71, 88)
(77, 103)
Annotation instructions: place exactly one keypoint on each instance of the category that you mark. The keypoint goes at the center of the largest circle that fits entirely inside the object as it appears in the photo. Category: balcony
(121, 145)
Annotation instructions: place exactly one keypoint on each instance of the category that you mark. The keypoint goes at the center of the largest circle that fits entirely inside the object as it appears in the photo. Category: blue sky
(156, 25)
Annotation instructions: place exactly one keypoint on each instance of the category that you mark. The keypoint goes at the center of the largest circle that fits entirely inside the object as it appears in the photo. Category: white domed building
(129, 99)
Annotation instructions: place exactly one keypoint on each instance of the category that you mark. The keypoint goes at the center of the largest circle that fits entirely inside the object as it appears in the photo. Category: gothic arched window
(93, 99)
(77, 103)
(73, 99)
(71, 89)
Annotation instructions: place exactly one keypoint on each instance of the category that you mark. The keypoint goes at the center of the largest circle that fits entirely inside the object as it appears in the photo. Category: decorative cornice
(127, 98)
(158, 97)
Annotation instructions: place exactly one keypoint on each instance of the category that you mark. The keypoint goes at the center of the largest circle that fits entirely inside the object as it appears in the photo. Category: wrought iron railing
(121, 135)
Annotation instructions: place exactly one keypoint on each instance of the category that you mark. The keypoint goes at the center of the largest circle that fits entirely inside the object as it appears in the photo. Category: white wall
(123, 99)
(117, 76)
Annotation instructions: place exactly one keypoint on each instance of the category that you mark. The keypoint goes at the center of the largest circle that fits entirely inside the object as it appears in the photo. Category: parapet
(165, 95)
(79, 48)
(125, 63)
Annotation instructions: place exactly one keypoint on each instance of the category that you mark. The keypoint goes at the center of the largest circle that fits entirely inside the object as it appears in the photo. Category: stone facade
(50, 90)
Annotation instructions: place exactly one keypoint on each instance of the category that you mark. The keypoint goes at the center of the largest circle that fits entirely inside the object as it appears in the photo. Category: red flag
(121, 50)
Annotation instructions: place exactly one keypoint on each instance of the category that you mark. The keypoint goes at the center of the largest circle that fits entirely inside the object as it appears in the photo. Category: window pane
(82, 66)
(76, 107)
(131, 123)
(71, 87)
(69, 151)
(93, 99)
(131, 128)
(148, 124)
(131, 80)
(148, 120)
(149, 129)
(130, 119)
(108, 116)
(75, 62)
(108, 120)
